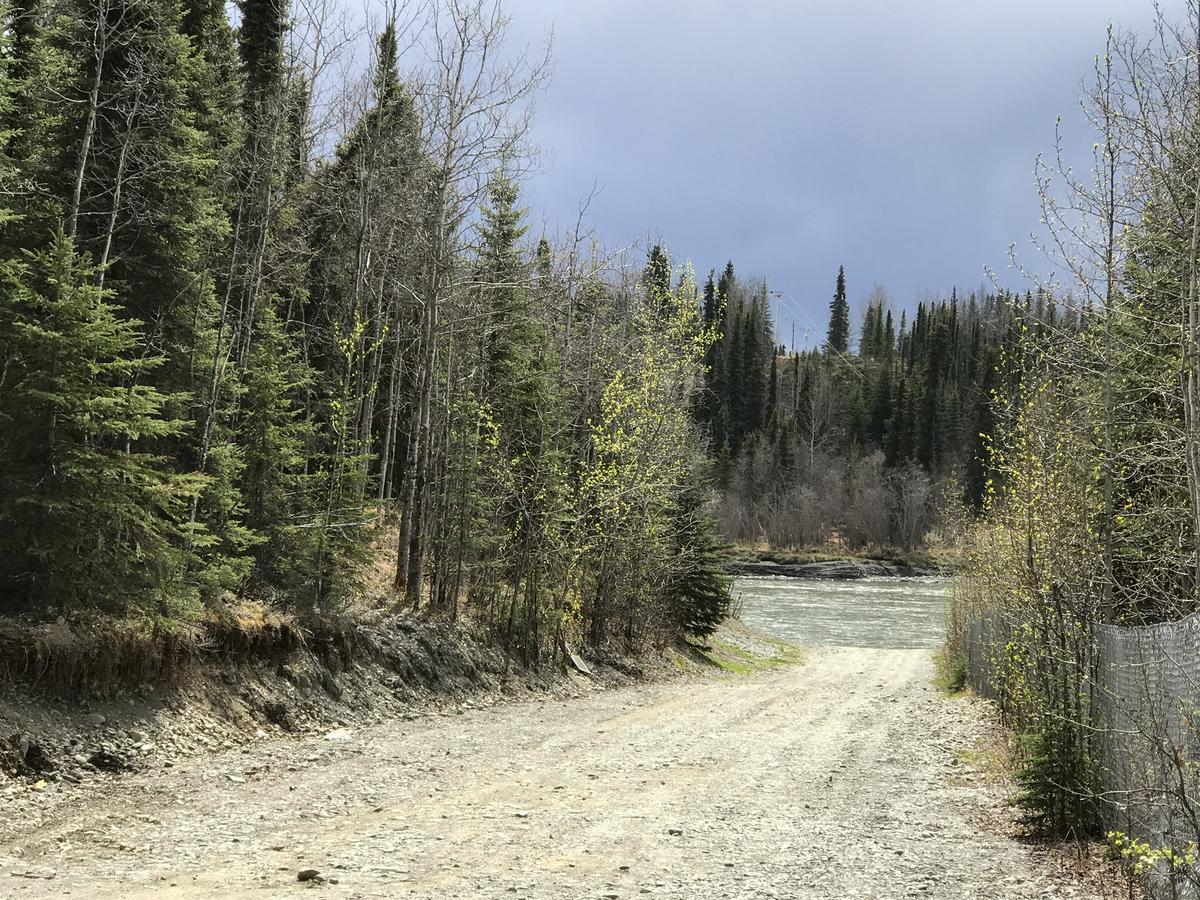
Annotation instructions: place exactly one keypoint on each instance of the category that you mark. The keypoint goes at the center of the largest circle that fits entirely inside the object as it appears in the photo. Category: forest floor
(850, 775)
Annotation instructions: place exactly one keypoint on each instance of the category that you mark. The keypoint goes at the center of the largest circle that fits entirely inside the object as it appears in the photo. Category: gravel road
(837, 778)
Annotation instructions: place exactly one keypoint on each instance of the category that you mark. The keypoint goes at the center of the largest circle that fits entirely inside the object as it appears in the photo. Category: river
(867, 612)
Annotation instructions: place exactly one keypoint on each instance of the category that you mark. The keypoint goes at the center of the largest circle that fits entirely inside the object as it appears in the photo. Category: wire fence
(1143, 716)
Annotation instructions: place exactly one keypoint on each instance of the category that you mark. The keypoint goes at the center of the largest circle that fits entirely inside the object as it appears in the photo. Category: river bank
(848, 568)
(751, 561)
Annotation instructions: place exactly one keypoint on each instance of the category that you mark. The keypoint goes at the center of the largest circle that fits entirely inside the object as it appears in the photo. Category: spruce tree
(837, 341)
(10, 124)
(89, 513)
(873, 342)
(697, 588)
(709, 307)
(260, 45)
(525, 471)
(772, 391)
(880, 405)
(657, 279)
(273, 437)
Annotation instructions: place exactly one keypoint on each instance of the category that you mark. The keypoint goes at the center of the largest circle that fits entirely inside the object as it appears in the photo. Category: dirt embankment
(83, 705)
(848, 776)
(76, 709)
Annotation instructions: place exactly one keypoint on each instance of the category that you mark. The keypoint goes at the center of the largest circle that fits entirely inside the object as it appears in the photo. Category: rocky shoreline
(833, 568)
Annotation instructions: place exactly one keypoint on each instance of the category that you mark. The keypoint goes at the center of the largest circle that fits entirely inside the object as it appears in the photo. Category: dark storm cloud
(897, 139)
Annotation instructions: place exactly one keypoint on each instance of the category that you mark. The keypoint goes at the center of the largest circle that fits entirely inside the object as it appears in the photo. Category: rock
(107, 761)
(837, 568)
(330, 685)
(42, 873)
(308, 875)
(833, 568)
(339, 734)
(138, 737)
(30, 755)
(278, 714)
(95, 719)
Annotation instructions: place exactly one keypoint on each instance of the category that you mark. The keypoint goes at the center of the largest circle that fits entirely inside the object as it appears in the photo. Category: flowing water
(868, 612)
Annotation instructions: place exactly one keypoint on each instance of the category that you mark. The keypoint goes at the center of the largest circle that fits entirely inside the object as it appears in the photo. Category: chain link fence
(1144, 721)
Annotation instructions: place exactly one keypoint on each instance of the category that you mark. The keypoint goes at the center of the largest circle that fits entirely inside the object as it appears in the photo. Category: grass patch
(992, 757)
(950, 675)
(677, 659)
(785, 654)
(729, 656)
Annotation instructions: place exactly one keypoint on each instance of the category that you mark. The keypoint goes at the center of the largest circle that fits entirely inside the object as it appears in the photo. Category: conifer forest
(262, 325)
(350, 486)
(255, 319)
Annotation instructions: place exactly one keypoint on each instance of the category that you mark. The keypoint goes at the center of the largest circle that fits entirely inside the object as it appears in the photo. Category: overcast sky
(897, 139)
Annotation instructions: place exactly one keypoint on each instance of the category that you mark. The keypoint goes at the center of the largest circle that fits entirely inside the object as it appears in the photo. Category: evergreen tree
(837, 341)
(879, 408)
(709, 307)
(657, 278)
(525, 464)
(89, 513)
(772, 391)
(260, 46)
(869, 341)
(272, 437)
(698, 588)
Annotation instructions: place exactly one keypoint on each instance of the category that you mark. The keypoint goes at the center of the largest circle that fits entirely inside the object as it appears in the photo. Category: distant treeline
(861, 440)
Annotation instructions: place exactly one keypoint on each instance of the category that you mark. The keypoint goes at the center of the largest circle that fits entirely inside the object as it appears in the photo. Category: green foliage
(1139, 858)
(272, 435)
(89, 512)
(951, 671)
(1056, 787)
(837, 340)
(737, 403)
(699, 590)
(260, 45)
(228, 367)
(795, 432)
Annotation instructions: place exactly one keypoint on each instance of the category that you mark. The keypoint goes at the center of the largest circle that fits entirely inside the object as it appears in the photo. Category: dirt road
(839, 778)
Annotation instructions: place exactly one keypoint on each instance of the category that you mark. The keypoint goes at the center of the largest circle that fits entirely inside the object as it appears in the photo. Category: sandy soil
(839, 778)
